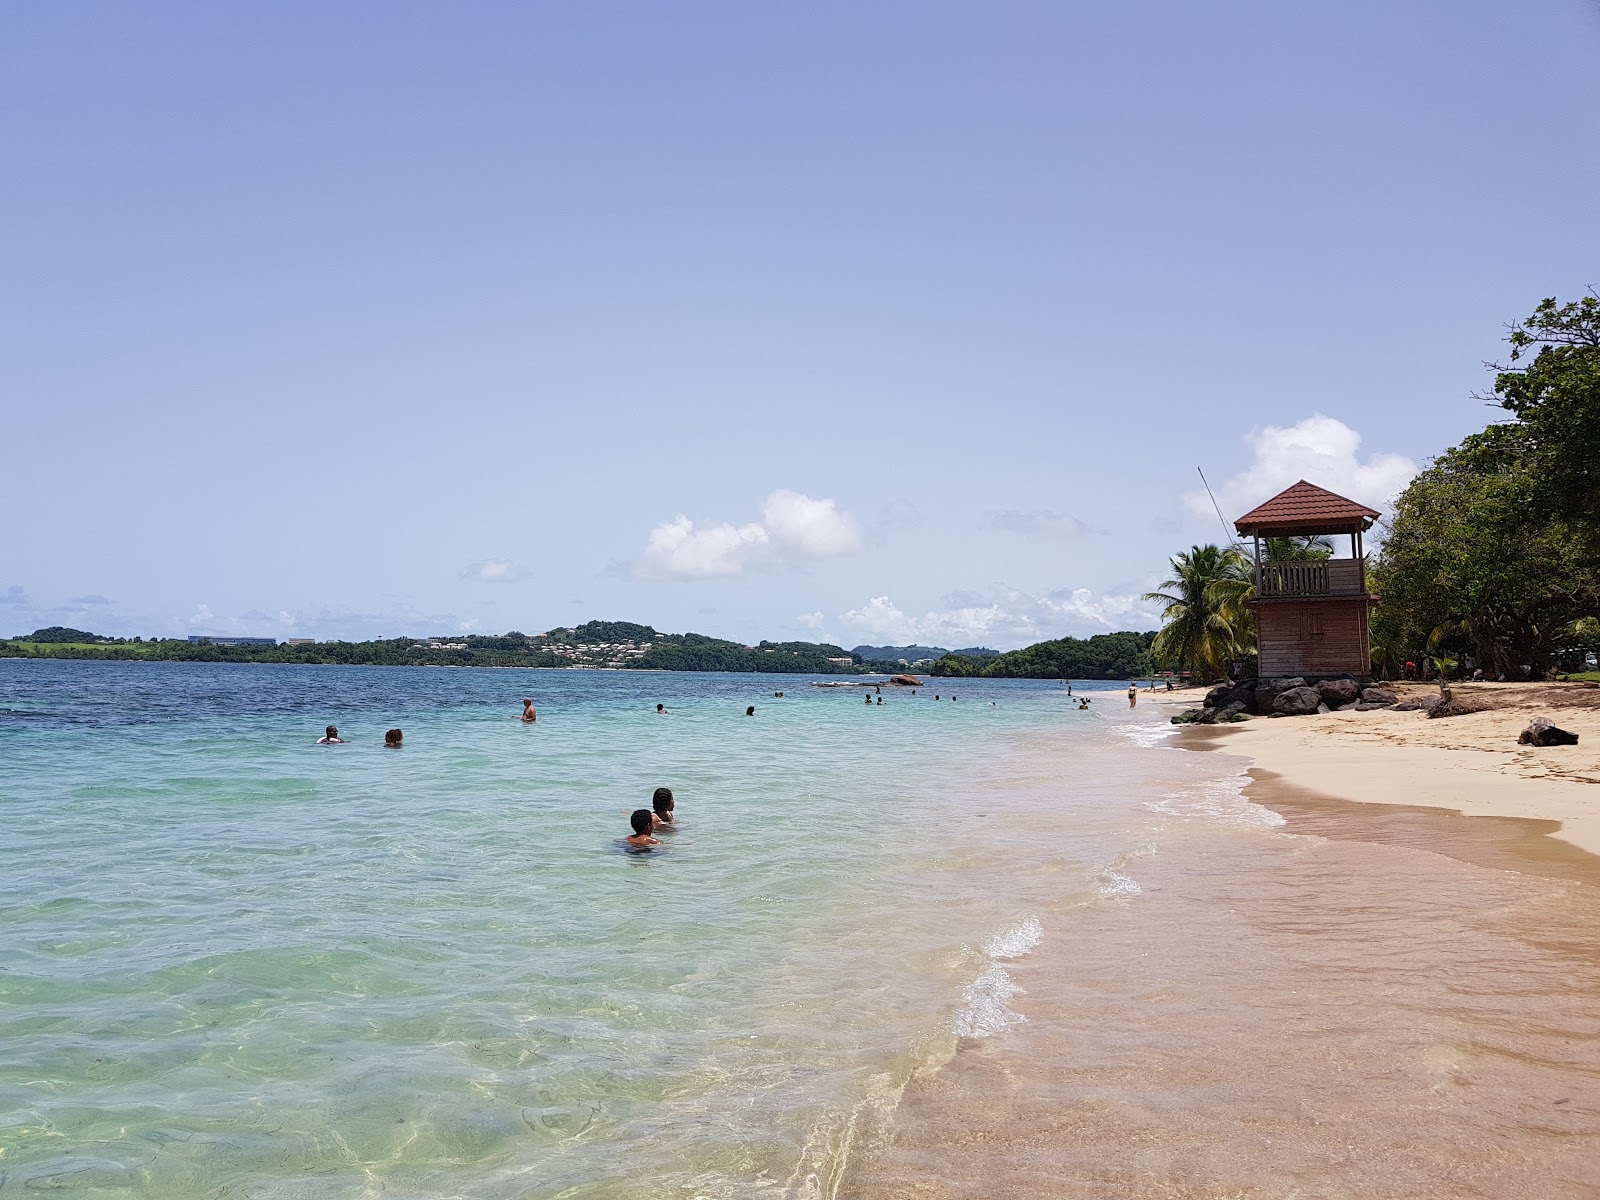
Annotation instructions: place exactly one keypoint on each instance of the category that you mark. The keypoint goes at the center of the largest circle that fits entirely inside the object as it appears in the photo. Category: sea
(977, 940)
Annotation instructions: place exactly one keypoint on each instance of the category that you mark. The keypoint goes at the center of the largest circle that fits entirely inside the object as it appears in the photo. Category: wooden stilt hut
(1311, 616)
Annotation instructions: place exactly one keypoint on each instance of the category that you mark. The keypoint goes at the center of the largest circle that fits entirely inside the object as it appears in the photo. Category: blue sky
(874, 322)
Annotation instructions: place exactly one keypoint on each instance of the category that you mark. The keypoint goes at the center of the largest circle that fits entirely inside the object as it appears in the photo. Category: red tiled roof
(1306, 508)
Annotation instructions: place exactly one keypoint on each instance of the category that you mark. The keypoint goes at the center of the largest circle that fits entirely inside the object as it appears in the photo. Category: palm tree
(1206, 623)
(1309, 548)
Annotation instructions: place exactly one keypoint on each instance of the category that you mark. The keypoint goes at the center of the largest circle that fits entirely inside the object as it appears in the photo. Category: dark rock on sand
(1296, 701)
(1335, 692)
(1542, 731)
(1378, 696)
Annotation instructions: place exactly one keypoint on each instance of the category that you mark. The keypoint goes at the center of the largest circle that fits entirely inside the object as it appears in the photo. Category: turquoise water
(237, 964)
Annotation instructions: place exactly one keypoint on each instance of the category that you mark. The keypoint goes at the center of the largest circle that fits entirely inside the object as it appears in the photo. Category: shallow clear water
(235, 963)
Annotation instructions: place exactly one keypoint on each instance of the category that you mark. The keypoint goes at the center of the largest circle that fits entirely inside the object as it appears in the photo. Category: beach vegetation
(1492, 553)
(1207, 625)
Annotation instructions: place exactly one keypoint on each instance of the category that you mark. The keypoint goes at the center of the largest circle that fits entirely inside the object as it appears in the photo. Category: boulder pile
(1292, 697)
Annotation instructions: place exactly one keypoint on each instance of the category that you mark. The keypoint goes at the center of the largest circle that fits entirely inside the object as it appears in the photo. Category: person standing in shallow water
(528, 713)
(1133, 694)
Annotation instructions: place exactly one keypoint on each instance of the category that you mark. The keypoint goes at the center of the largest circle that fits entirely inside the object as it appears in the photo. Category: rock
(1240, 716)
(1187, 717)
(1297, 701)
(1365, 706)
(1219, 695)
(1542, 731)
(1378, 695)
(1323, 707)
(1351, 707)
(1208, 716)
(1231, 710)
(1335, 692)
(1267, 692)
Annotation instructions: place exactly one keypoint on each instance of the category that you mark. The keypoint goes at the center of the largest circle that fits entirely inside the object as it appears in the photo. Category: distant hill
(894, 654)
(1103, 656)
(58, 634)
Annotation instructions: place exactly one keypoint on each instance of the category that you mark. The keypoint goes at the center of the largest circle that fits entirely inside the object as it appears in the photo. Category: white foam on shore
(984, 1009)
(1117, 884)
(1146, 734)
(1016, 941)
(1218, 800)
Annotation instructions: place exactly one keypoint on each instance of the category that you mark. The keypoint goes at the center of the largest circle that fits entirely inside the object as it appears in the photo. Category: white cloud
(812, 620)
(1040, 523)
(794, 527)
(1320, 450)
(1003, 618)
(807, 528)
(495, 570)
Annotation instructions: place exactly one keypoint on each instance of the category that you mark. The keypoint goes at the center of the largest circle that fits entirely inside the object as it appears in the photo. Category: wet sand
(1371, 1001)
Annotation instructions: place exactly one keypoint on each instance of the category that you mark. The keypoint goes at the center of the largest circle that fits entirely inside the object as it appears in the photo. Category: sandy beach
(1264, 1014)
(1469, 763)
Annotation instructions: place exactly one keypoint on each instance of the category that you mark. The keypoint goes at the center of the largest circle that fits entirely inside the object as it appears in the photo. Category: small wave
(1117, 884)
(1145, 735)
(1016, 941)
(984, 1002)
(1218, 799)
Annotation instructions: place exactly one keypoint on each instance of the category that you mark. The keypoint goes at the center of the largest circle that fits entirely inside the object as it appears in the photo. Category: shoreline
(1469, 764)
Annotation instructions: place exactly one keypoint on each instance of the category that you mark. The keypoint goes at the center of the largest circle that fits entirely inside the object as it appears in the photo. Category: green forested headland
(605, 644)
(1103, 656)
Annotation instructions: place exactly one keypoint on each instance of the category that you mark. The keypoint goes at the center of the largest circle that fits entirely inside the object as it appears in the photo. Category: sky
(867, 322)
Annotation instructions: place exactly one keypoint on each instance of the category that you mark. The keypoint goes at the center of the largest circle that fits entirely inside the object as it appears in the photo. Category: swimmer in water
(528, 713)
(661, 710)
(880, 700)
(751, 711)
(331, 737)
(391, 739)
(642, 820)
(662, 805)
(869, 699)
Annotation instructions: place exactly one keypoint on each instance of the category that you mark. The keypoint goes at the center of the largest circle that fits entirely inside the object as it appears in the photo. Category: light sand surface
(1470, 763)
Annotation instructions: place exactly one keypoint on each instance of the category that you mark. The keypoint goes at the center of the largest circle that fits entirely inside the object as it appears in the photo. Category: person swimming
(751, 711)
(528, 713)
(880, 700)
(643, 821)
(869, 699)
(661, 710)
(662, 804)
(331, 737)
(391, 739)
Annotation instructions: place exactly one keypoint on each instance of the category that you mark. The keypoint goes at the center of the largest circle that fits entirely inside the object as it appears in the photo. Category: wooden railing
(1324, 577)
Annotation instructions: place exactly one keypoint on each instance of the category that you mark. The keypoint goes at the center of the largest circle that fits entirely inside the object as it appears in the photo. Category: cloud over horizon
(495, 570)
(1040, 523)
(794, 528)
(1003, 614)
(1321, 450)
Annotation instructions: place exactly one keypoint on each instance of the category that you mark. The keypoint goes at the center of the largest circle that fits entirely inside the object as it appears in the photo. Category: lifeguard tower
(1311, 616)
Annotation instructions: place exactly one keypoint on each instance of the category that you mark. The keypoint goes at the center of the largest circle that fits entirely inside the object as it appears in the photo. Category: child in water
(662, 802)
(392, 739)
(641, 820)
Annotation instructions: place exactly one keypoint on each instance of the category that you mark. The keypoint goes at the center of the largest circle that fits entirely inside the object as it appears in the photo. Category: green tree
(1474, 562)
(1555, 399)
(1206, 623)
